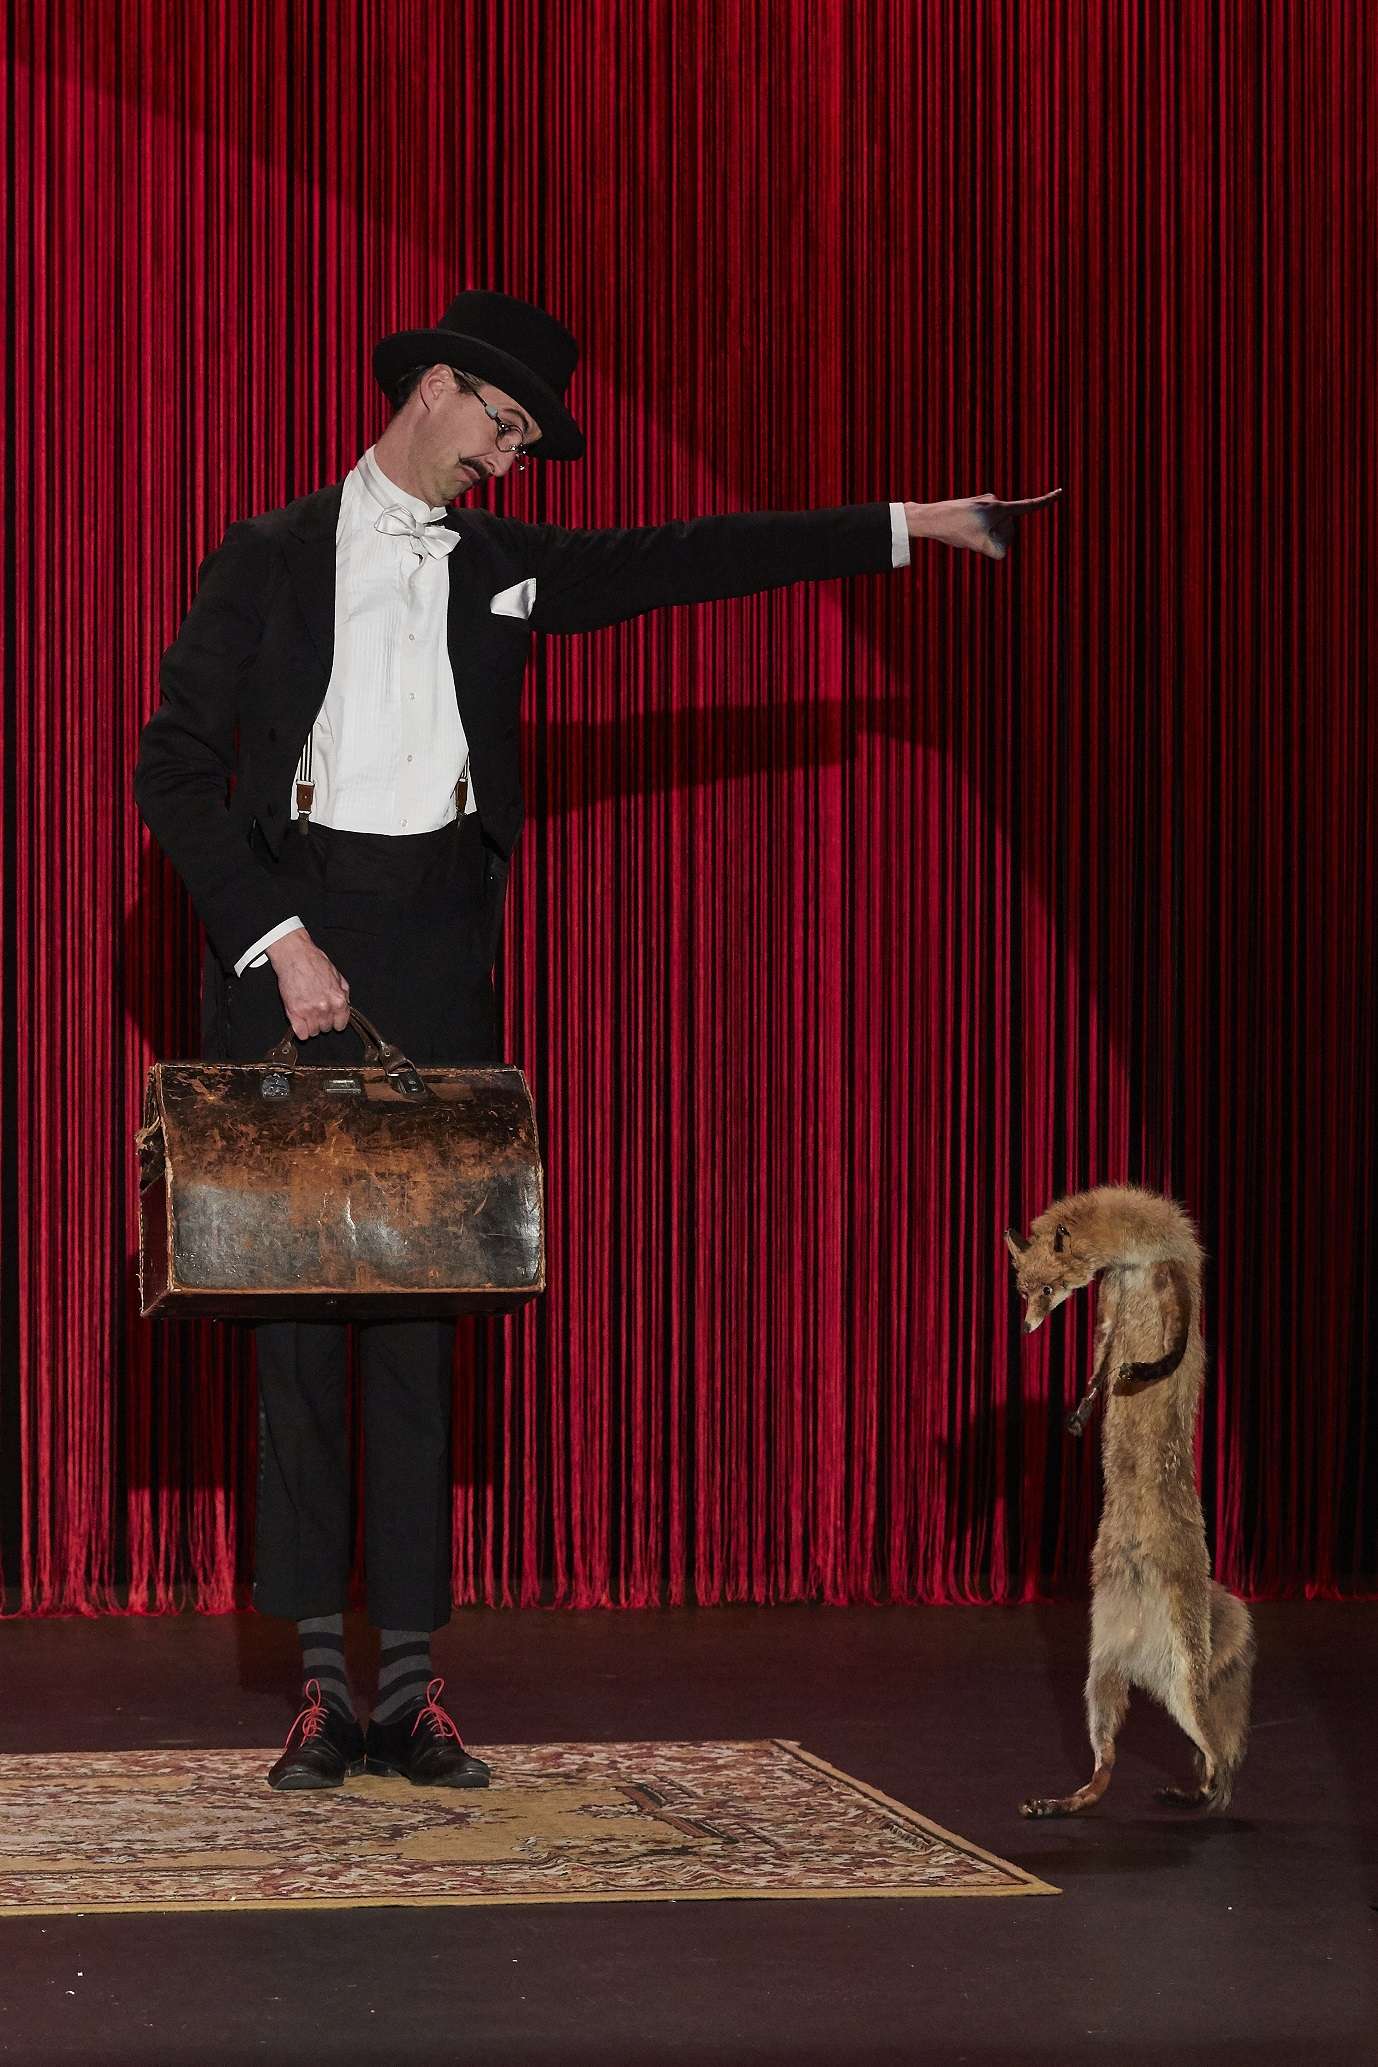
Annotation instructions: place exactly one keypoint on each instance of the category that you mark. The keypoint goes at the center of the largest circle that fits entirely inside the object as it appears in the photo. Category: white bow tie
(429, 537)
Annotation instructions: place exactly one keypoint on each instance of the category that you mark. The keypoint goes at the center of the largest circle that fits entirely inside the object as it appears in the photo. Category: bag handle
(401, 1073)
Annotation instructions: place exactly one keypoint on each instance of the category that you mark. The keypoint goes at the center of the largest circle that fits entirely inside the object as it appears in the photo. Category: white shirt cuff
(254, 957)
(899, 536)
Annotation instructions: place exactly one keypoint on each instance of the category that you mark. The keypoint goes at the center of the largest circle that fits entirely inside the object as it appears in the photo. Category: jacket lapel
(464, 588)
(467, 621)
(310, 555)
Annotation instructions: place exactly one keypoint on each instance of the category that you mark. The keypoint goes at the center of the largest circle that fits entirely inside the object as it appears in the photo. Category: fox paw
(1185, 1797)
(1050, 1805)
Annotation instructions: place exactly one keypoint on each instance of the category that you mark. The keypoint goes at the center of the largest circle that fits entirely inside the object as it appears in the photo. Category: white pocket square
(516, 601)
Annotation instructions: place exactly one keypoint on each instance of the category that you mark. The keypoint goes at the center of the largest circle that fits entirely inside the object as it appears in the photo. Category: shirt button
(408, 756)
(411, 638)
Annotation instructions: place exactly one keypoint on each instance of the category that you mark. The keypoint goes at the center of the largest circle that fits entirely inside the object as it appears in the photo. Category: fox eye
(1047, 1291)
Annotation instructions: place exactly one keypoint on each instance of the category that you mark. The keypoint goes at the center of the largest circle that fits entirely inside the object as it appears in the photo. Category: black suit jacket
(247, 673)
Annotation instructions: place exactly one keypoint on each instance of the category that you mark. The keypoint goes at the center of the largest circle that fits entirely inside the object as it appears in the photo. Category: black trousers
(411, 924)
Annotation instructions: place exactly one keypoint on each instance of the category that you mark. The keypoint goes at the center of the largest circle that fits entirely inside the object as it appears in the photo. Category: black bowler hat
(517, 346)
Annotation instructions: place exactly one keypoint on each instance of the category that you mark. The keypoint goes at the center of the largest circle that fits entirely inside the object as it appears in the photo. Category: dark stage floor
(1245, 1939)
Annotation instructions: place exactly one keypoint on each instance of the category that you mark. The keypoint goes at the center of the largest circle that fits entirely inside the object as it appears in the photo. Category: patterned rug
(561, 1823)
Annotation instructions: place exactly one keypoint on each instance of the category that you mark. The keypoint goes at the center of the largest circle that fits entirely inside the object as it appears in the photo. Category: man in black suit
(333, 771)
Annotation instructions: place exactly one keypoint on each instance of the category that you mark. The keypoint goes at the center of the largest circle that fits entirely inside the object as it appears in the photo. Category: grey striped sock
(404, 1669)
(323, 1659)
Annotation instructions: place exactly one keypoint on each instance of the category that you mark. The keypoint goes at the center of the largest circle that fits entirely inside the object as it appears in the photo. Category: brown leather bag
(269, 1190)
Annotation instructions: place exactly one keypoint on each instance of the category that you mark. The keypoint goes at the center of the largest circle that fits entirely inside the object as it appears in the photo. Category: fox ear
(1015, 1242)
(1061, 1239)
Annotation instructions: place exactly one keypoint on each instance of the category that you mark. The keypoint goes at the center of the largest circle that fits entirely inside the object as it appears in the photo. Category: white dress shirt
(388, 747)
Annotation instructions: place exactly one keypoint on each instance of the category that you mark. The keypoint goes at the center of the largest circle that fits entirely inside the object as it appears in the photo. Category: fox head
(1047, 1270)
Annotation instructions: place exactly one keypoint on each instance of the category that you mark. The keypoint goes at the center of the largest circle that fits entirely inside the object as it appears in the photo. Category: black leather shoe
(323, 1747)
(424, 1746)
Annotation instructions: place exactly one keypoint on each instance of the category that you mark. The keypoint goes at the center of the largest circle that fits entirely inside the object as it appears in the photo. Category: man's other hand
(315, 996)
(980, 523)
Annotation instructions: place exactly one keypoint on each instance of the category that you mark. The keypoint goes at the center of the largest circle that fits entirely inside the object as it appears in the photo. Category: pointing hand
(979, 523)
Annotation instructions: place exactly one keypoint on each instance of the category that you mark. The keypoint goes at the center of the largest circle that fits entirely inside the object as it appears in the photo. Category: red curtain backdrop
(848, 924)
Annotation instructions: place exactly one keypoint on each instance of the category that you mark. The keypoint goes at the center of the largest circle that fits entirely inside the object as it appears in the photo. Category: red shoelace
(312, 1717)
(434, 1714)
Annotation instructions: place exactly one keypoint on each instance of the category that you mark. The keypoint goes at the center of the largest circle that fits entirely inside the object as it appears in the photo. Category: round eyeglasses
(509, 435)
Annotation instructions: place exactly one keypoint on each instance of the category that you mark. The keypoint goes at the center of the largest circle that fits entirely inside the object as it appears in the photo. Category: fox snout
(1037, 1307)
(1034, 1263)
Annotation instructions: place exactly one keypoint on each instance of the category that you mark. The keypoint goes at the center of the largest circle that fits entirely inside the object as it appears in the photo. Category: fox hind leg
(1107, 1697)
(1224, 1706)
(1230, 1700)
(1186, 1696)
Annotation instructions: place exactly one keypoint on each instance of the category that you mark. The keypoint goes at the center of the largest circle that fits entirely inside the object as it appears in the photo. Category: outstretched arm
(588, 579)
(585, 579)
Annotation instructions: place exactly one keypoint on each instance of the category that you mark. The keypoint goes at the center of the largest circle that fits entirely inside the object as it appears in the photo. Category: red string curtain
(848, 924)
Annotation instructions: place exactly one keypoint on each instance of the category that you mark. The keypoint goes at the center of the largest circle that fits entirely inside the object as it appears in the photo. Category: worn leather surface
(342, 1197)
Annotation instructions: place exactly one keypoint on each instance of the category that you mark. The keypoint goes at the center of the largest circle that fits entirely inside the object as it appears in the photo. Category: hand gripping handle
(401, 1073)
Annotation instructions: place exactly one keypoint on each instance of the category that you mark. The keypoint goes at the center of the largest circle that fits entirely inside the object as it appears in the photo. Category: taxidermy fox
(1158, 1621)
